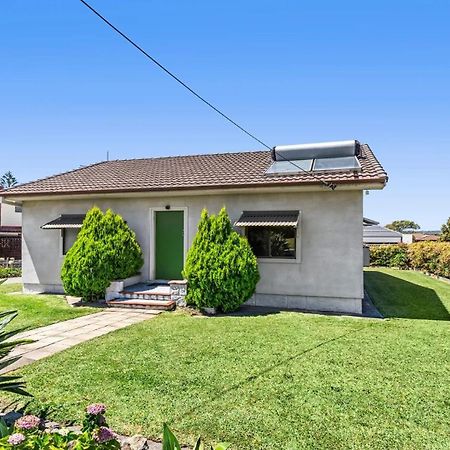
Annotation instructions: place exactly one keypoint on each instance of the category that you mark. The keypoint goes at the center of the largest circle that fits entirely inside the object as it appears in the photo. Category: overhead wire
(201, 98)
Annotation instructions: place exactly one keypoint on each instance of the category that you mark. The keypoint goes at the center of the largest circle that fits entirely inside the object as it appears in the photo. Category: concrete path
(62, 335)
(13, 280)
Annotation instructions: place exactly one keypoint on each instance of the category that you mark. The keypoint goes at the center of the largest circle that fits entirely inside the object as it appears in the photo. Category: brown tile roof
(225, 170)
(419, 237)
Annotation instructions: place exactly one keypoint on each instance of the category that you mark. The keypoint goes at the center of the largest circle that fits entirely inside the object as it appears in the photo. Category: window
(273, 241)
(69, 236)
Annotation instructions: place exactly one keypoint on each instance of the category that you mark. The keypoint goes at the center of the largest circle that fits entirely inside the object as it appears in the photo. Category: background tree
(402, 225)
(221, 269)
(445, 231)
(8, 180)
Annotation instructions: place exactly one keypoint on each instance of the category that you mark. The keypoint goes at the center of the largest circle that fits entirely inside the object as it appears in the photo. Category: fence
(11, 247)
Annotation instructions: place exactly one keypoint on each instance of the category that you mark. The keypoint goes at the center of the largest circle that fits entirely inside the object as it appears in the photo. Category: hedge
(389, 256)
(8, 272)
(430, 257)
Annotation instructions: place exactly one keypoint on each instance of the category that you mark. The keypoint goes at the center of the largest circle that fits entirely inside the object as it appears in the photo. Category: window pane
(272, 242)
(282, 242)
(69, 238)
(258, 239)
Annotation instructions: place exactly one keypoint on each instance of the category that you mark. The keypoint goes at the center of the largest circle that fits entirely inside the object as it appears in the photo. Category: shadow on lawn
(397, 298)
(250, 378)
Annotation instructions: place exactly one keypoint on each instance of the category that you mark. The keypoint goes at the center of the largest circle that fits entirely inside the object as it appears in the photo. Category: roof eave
(376, 183)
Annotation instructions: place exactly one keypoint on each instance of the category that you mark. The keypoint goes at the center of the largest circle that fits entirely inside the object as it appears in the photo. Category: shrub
(10, 383)
(126, 254)
(220, 268)
(394, 255)
(444, 260)
(8, 272)
(27, 433)
(424, 256)
(430, 257)
(105, 249)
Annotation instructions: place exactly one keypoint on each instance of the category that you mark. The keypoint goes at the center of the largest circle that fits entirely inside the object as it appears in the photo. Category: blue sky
(289, 71)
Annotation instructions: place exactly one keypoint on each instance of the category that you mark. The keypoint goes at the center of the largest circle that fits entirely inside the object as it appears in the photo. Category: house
(10, 230)
(409, 238)
(308, 198)
(10, 215)
(375, 234)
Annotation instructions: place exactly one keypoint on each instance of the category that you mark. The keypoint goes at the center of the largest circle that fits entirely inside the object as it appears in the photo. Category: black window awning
(268, 219)
(65, 221)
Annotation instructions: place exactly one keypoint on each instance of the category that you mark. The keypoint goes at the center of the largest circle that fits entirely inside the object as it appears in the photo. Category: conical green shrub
(220, 268)
(106, 249)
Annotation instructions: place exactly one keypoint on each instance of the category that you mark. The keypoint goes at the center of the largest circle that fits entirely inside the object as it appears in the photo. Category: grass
(37, 310)
(280, 381)
(409, 295)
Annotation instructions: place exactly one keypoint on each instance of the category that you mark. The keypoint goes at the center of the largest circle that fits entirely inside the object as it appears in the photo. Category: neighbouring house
(301, 208)
(375, 234)
(420, 236)
(10, 230)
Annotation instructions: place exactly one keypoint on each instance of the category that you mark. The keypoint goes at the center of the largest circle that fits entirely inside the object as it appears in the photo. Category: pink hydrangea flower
(96, 408)
(28, 422)
(103, 434)
(16, 439)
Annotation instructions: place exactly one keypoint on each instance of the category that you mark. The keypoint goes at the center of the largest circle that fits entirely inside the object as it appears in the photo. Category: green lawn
(37, 310)
(409, 295)
(280, 381)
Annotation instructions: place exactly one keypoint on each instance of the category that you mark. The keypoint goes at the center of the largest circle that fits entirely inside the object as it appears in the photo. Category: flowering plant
(94, 417)
(28, 434)
(28, 423)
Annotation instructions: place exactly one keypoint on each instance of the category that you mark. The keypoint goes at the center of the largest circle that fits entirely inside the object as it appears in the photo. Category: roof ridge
(189, 156)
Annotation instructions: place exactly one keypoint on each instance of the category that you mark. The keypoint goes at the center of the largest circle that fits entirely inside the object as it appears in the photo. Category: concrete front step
(136, 303)
(145, 295)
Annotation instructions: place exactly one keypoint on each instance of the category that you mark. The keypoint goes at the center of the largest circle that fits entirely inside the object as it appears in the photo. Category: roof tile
(225, 170)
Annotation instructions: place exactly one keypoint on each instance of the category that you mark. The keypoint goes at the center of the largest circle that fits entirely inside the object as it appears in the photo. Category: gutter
(347, 185)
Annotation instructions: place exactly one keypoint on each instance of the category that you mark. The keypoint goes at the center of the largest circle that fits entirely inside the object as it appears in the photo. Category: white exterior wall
(8, 215)
(407, 238)
(327, 274)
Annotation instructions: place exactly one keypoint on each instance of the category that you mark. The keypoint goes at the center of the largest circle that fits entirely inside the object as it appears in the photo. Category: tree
(445, 231)
(8, 180)
(220, 268)
(402, 225)
(105, 249)
(125, 250)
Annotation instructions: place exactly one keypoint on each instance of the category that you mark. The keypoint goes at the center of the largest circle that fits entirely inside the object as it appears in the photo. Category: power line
(177, 79)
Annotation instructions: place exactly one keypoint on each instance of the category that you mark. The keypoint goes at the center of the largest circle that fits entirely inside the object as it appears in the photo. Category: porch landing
(157, 287)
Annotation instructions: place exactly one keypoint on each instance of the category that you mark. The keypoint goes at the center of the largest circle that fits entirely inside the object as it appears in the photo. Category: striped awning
(268, 219)
(65, 221)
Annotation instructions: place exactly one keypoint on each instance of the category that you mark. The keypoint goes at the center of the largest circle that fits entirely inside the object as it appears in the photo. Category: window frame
(298, 247)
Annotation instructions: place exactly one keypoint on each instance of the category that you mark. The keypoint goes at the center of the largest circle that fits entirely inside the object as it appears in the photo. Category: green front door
(169, 244)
